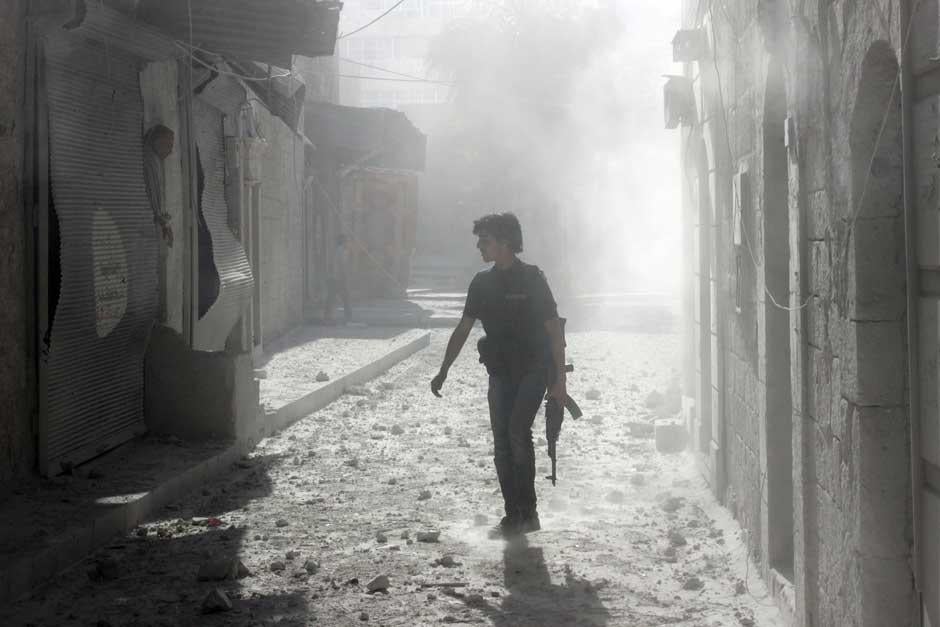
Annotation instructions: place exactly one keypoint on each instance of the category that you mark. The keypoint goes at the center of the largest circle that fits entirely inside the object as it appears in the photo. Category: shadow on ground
(534, 601)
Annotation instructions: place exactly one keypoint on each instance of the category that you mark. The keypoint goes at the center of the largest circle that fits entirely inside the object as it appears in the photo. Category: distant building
(398, 42)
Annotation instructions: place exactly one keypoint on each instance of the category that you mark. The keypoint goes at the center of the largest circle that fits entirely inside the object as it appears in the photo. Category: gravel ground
(390, 481)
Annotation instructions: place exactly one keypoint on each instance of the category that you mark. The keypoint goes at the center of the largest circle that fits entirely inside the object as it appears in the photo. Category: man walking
(524, 339)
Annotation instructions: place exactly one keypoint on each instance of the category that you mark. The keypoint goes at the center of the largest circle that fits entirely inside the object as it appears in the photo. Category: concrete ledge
(323, 396)
(22, 577)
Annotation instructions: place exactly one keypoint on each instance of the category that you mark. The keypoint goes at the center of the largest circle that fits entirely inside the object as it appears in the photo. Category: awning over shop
(378, 138)
(268, 31)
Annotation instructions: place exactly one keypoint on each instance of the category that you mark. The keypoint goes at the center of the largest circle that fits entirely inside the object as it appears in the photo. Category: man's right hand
(437, 383)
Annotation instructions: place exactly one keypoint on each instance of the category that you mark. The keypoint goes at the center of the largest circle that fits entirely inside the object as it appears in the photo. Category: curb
(21, 578)
(323, 396)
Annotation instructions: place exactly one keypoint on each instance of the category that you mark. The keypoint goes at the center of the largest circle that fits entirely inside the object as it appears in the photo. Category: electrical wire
(365, 26)
(393, 80)
(216, 69)
(724, 115)
(393, 72)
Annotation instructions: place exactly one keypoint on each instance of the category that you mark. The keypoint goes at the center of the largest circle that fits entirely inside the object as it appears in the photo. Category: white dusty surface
(347, 486)
(291, 372)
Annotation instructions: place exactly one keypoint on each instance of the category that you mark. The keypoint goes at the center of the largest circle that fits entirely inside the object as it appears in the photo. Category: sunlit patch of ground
(630, 537)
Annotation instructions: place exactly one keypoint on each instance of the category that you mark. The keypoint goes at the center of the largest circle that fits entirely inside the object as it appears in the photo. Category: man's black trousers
(513, 406)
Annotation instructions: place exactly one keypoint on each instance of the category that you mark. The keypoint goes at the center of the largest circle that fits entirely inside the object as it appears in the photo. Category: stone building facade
(16, 429)
(809, 148)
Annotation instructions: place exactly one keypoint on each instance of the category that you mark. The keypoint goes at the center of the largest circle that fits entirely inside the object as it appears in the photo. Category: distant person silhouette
(337, 283)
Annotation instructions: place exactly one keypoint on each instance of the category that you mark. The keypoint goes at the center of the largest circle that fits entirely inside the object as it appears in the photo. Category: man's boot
(509, 524)
(525, 491)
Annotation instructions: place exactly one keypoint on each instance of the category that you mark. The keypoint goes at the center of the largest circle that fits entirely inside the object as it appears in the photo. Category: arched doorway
(778, 413)
(873, 379)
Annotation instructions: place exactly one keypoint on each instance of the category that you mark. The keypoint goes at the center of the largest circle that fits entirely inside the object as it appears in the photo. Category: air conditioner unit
(678, 102)
(689, 45)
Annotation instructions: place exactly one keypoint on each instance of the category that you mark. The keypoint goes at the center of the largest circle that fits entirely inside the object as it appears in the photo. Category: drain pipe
(913, 291)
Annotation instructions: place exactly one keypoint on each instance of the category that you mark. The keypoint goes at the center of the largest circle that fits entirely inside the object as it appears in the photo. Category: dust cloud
(556, 114)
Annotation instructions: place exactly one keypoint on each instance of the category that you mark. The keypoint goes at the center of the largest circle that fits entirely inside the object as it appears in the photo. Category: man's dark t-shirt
(513, 305)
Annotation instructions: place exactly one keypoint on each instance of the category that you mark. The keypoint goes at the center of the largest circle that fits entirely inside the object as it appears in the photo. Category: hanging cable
(393, 72)
(217, 70)
(365, 26)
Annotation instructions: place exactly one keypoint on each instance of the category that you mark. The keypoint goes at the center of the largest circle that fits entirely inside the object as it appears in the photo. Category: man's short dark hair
(501, 226)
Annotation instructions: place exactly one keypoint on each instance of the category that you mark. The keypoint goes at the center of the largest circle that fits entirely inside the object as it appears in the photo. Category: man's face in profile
(488, 246)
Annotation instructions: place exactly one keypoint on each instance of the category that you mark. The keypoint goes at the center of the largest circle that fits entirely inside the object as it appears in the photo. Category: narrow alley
(389, 481)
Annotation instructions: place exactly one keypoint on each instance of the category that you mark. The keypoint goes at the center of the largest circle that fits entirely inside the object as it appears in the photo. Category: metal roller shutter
(92, 396)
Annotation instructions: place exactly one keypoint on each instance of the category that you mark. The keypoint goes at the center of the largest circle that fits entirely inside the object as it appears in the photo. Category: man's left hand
(559, 391)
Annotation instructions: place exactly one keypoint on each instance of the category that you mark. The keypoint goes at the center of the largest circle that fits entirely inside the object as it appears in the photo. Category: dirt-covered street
(392, 489)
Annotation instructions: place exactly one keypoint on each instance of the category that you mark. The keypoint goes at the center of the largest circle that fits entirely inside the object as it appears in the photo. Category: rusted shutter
(231, 265)
(92, 396)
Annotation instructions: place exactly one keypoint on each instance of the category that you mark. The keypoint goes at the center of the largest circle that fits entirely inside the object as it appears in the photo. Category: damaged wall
(282, 227)
(812, 427)
(17, 442)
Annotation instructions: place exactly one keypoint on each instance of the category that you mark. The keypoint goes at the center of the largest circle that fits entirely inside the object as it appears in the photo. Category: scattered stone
(241, 571)
(277, 566)
(425, 495)
(638, 480)
(475, 600)
(290, 555)
(616, 497)
(104, 569)
(363, 616)
(448, 430)
(429, 536)
(380, 537)
(216, 601)
(322, 376)
(740, 588)
(281, 523)
(653, 399)
(218, 569)
(379, 583)
(672, 504)
(480, 520)
(597, 420)
(142, 532)
(447, 561)
(393, 481)
(593, 394)
(676, 538)
(312, 567)
(397, 430)
(352, 463)
(405, 535)
(641, 429)
(261, 373)
(671, 437)
(693, 584)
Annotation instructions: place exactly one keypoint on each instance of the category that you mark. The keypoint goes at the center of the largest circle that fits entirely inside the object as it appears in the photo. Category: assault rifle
(554, 416)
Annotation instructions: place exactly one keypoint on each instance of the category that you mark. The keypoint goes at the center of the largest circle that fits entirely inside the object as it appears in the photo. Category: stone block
(886, 592)
(877, 279)
(820, 269)
(874, 364)
(818, 214)
(884, 489)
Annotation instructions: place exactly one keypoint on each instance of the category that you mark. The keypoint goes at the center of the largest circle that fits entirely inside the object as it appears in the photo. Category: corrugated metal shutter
(93, 397)
(231, 262)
